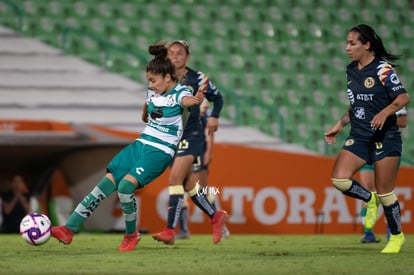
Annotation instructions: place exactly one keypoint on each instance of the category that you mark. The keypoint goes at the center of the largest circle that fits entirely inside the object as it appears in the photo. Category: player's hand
(207, 158)
(331, 134)
(212, 125)
(199, 96)
(378, 121)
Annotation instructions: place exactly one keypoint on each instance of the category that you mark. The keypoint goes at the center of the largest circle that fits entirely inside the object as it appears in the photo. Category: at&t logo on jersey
(365, 97)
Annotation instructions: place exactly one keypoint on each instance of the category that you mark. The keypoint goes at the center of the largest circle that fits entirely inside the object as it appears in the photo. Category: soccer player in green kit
(141, 162)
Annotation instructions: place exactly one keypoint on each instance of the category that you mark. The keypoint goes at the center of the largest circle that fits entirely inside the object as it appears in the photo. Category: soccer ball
(35, 228)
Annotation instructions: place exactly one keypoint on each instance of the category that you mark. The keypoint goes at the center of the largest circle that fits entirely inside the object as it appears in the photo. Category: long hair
(161, 64)
(368, 34)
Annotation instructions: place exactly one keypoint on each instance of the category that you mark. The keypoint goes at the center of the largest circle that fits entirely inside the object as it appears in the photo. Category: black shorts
(390, 146)
(195, 146)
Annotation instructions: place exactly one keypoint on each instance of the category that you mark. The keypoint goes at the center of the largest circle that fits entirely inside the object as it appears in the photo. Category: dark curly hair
(161, 64)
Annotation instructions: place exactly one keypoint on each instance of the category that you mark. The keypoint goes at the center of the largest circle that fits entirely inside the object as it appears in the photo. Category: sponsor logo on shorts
(349, 142)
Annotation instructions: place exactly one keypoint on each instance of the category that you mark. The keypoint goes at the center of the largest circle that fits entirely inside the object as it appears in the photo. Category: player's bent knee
(387, 199)
(176, 189)
(342, 184)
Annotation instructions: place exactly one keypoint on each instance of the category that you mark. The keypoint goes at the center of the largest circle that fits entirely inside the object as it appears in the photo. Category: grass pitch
(240, 254)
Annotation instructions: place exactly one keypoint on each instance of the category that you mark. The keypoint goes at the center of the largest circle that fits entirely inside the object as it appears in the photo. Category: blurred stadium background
(280, 64)
(75, 69)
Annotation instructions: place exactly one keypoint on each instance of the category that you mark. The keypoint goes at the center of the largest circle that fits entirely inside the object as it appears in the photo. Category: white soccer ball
(35, 228)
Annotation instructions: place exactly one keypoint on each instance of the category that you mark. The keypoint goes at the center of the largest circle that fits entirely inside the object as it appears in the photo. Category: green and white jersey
(165, 119)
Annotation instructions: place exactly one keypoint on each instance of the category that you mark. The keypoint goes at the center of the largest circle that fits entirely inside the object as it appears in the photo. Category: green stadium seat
(129, 11)
(351, 4)
(320, 15)
(279, 80)
(31, 8)
(85, 47)
(8, 16)
(211, 62)
(305, 4)
(328, 4)
(299, 15)
(126, 63)
(293, 116)
(410, 64)
(237, 63)
(226, 12)
(252, 13)
(376, 5)
(386, 33)
(406, 40)
(401, 4)
(286, 54)
(346, 16)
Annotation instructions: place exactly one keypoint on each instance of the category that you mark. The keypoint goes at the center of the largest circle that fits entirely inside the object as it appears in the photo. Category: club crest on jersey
(349, 142)
(378, 145)
(170, 100)
(369, 82)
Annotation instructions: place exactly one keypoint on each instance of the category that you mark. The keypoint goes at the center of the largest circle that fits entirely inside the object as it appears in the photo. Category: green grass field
(96, 253)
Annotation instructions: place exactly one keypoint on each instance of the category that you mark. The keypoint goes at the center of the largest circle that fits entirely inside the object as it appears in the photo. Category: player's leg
(346, 164)
(84, 209)
(202, 179)
(148, 164)
(127, 199)
(367, 179)
(217, 217)
(197, 175)
(184, 232)
(119, 166)
(386, 171)
(198, 178)
(180, 169)
(349, 160)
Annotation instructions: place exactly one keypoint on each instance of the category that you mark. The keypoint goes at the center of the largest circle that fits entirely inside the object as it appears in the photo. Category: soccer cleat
(62, 233)
(394, 244)
(372, 207)
(218, 222)
(129, 242)
(166, 236)
(369, 238)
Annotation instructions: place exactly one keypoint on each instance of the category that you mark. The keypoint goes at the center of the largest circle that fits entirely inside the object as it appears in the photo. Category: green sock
(85, 208)
(128, 204)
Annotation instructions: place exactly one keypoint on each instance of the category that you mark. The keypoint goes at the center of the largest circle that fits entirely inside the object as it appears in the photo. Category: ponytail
(161, 64)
